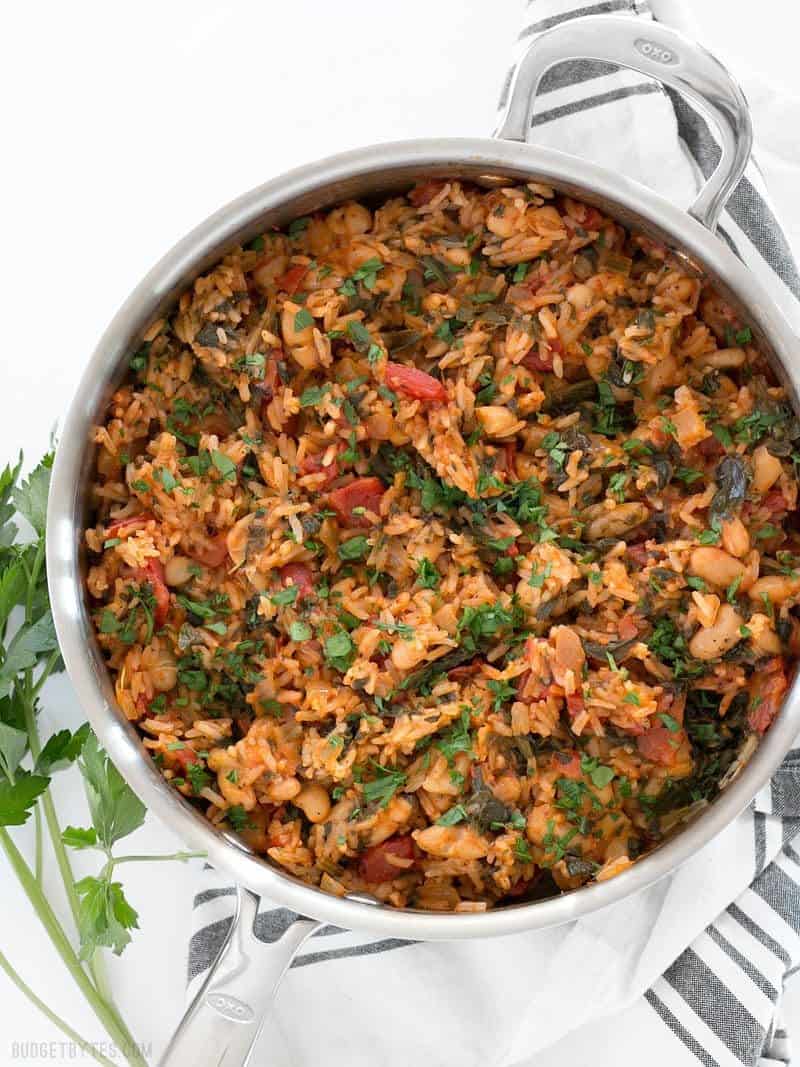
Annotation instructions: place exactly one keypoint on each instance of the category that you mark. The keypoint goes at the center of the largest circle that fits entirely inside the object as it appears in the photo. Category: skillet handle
(223, 1021)
(662, 53)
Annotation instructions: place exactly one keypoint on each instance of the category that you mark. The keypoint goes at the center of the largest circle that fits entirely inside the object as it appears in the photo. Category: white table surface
(125, 124)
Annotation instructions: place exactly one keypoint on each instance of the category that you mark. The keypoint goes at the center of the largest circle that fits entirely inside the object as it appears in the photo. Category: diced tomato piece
(638, 553)
(628, 628)
(658, 745)
(313, 465)
(540, 361)
(710, 448)
(592, 219)
(265, 389)
(568, 764)
(290, 281)
(774, 502)
(376, 868)
(361, 493)
(280, 833)
(300, 575)
(466, 670)
(425, 192)
(216, 422)
(187, 757)
(153, 574)
(575, 704)
(767, 688)
(522, 681)
(510, 450)
(414, 383)
(127, 526)
(212, 552)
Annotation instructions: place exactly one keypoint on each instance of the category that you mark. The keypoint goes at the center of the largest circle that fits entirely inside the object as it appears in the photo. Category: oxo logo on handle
(651, 50)
(231, 1007)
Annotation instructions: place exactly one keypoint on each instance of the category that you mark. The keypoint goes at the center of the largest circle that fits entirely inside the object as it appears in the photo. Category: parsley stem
(117, 1031)
(56, 1020)
(179, 857)
(49, 666)
(37, 820)
(33, 579)
(96, 965)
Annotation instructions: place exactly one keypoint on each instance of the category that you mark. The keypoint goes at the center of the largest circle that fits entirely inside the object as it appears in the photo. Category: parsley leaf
(303, 319)
(79, 837)
(355, 548)
(61, 750)
(17, 800)
(300, 631)
(452, 816)
(339, 651)
(104, 916)
(30, 498)
(359, 335)
(115, 809)
(428, 576)
(312, 396)
(225, 466)
(384, 786)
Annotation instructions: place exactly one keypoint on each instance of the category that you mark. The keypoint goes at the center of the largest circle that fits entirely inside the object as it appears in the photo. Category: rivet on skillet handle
(222, 1024)
(662, 53)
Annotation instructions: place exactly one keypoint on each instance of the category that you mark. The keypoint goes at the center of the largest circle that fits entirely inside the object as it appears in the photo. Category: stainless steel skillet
(224, 1019)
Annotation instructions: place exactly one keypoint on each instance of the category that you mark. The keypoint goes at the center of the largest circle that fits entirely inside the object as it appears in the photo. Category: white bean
(314, 802)
(735, 538)
(766, 469)
(178, 571)
(711, 642)
(715, 566)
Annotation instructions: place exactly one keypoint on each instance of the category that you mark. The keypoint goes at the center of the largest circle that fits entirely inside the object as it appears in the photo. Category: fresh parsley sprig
(29, 654)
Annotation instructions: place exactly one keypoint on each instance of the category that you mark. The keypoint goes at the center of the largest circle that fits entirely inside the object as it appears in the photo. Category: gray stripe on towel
(679, 1030)
(756, 931)
(712, 1001)
(608, 7)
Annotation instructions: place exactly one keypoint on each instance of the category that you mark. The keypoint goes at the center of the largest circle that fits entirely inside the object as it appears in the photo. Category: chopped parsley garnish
(599, 774)
(457, 739)
(355, 548)
(359, 335)
(303, 319)
(366, 273)
(300, 631)
(671, 724)
(285, 596)
(452, 816)
(427, 575)
(522, 850)
(339, 651)
(384, 786)
(225, 466)
(313, 395)
(502, 690)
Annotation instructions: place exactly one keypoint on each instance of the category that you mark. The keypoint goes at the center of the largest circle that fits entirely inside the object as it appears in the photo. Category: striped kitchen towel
(351, 999)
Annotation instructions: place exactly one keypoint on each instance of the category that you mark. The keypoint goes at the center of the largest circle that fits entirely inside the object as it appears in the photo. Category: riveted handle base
(662, 53)
(222, 1024)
